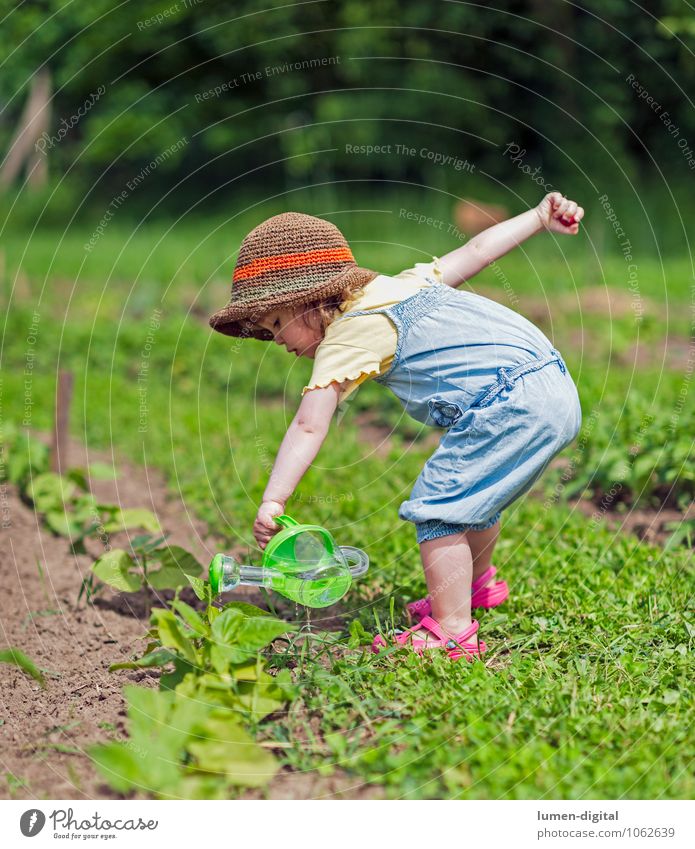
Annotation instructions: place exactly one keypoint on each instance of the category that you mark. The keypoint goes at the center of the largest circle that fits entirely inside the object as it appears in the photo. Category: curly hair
(317, 315)
(327, 309)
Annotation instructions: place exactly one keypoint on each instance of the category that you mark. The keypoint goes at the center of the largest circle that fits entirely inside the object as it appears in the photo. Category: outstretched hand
(264, 527)
(559, 214)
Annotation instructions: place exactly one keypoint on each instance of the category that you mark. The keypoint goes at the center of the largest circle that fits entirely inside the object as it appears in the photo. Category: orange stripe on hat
(284, 261)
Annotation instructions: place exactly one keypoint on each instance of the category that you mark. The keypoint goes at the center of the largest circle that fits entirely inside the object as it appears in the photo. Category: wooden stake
(61, 429)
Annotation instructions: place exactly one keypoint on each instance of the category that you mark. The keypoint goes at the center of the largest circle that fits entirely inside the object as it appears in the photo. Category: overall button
(444, 413)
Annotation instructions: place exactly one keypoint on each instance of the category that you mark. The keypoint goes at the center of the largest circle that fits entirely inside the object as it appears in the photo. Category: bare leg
(482, 544)
(448, 565)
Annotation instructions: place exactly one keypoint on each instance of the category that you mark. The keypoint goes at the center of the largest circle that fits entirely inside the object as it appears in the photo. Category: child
(454, 359)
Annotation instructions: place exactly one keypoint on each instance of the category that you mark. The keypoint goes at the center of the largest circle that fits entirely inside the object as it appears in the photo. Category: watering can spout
(227, 574)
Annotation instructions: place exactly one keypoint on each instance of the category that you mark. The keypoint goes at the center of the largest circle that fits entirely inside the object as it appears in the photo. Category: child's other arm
(301, 444)
(554, 213)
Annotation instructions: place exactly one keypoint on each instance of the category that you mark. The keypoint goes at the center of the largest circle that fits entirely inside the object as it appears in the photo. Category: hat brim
(240, 319)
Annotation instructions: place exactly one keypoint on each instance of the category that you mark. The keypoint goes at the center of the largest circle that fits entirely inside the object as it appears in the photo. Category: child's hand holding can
(264, 527)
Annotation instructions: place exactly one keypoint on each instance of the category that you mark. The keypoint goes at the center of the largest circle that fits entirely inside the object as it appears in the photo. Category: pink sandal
(481, 596)
(456, 647)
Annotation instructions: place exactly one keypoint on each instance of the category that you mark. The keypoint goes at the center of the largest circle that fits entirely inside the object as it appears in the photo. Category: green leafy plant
(68, 507)
(178, 748)
(634, 455)
(131, 571)
(70, 510)
(191, 738)
(23, 456)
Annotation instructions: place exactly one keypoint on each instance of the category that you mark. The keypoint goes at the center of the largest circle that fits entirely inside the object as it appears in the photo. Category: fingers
(264, 528)
(563, 207)
(262, 535)
(266, 521)
(568, 213)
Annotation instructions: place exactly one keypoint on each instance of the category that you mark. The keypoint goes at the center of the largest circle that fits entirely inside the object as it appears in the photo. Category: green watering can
(301, 562)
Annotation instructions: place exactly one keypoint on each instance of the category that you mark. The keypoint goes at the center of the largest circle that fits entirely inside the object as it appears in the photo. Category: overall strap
(411, 307)
(404, 314)
(373, 311)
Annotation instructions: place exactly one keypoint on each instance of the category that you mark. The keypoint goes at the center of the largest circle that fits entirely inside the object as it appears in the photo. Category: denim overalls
(494, 380)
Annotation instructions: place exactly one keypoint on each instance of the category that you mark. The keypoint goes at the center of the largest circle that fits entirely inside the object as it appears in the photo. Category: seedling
(132, 571)
(70, 510)
(213, 683)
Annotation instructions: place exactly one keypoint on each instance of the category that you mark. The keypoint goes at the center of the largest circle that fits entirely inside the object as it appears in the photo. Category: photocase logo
(31, 822)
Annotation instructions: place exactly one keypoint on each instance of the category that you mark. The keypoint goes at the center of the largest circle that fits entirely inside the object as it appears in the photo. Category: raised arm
(300, 445)
(554, 213)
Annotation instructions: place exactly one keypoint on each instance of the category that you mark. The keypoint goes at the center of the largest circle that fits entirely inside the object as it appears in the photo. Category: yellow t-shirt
(359, 347)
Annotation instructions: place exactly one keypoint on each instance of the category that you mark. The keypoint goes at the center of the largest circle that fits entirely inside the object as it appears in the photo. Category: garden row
(194, 736)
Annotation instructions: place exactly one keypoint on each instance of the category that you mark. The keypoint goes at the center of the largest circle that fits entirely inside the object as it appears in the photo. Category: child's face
(290, 330)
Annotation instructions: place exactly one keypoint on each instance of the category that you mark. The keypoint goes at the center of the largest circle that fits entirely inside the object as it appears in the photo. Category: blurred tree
(284, 94)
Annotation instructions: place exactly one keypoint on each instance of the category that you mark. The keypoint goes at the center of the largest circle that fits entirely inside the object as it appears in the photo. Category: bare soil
(648, 525)
(44, 733)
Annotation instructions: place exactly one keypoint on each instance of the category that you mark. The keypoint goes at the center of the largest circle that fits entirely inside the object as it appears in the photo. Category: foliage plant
(130, 572)
(17, 658)
(67, 506)
(193, 738)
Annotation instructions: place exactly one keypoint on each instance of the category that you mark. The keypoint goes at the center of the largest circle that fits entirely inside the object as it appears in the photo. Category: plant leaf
(120, 765)
(258, 631)
(50, 491)
(171, 680)
(113, 569)
(176, 557)
(158, 657)
(171, 635)
(238, 636)
(176, 564)
(202, 589)
(63, 523)
(85, 507)
(77, 476)
(226, 626)
(231, 752)
(169, 578)
(18, 658)
(191, 617)
(245, 607)
(135, 517)
(102, 471)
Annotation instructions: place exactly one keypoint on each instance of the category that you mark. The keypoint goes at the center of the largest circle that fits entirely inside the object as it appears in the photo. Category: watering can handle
(285, 521)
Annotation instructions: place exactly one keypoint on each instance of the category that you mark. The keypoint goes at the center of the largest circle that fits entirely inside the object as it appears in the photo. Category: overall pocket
(444, 413)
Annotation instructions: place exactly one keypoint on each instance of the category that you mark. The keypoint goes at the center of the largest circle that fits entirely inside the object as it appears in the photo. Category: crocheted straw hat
(289, 259)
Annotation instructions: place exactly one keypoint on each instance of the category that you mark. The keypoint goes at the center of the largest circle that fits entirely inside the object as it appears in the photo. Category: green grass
(584, 693)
